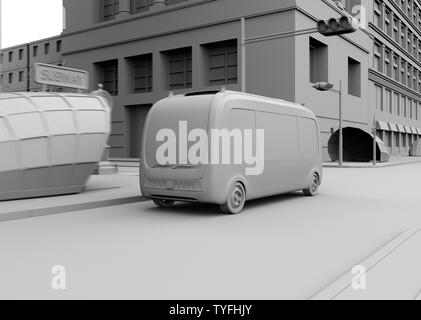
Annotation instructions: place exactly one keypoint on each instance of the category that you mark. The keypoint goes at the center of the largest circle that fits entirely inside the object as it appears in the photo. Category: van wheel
(313, 187)
(163, 203)
(236, 199)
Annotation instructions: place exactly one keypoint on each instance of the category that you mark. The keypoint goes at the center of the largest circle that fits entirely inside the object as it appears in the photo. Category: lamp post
(324, 86)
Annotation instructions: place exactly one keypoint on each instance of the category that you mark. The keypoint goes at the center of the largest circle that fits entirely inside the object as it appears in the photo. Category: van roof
(245, 95)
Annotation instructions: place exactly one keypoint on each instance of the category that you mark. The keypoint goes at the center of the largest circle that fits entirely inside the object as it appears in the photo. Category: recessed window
(10, 77)
(319, 63)
(140, 5)
(222, 62)
(141, 67)
(35, 51)
(20, 54)
(10, 56)
(109, 9)
(20, 76)
(108, 75)
(354, 77)
(58, 46)
(47, 48)
(179, 68)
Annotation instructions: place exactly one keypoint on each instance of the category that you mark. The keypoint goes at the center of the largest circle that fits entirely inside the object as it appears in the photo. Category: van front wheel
(313, 187)
(163, 203)
(236, 199)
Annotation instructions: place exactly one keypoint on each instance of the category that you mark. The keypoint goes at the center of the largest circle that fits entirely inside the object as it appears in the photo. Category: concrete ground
(284, 247)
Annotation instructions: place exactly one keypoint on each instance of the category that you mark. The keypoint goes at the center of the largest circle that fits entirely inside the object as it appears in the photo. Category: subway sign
(61, 77)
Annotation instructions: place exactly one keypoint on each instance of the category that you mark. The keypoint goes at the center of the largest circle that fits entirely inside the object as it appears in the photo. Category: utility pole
(243, 54)
(374, 142)
(341, 136)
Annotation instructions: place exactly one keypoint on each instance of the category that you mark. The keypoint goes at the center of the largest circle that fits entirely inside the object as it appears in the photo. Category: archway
(358, 146)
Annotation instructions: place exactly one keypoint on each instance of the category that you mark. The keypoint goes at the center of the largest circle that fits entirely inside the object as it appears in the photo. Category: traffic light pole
(341, 136)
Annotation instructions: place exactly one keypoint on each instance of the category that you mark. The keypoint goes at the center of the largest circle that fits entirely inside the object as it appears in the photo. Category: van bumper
(184, 196)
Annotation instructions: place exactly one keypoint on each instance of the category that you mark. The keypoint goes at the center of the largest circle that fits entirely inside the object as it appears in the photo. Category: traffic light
(323, 86)
(334, 27)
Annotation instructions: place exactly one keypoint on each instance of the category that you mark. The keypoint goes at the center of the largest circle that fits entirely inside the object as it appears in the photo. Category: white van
(281, 137)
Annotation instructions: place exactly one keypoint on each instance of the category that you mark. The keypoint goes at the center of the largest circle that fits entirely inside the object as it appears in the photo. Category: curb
(335, 289)
(378, 166)
(32, 213)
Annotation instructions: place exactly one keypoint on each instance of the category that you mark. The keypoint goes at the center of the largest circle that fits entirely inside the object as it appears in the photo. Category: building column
(199, 63)
(124, 8)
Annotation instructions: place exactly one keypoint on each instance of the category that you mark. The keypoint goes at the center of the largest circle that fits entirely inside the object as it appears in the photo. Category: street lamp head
(323, 86)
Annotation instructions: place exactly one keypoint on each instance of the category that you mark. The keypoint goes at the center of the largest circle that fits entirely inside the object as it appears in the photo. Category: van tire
(163, 203)
(236, 199)
(313, 187)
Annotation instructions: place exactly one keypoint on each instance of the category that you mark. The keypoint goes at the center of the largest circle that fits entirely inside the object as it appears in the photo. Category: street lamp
(324, 86)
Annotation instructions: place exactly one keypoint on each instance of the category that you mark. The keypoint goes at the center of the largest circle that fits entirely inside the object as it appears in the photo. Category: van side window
(309, 138)
(281, 135)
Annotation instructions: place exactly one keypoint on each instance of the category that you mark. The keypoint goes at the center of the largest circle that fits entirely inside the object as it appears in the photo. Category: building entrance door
(137, 117)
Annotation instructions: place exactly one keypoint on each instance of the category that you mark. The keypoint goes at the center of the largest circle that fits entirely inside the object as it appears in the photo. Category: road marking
(32, 213)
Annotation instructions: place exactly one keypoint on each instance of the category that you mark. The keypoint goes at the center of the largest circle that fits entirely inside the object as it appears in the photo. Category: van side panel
(281, 154)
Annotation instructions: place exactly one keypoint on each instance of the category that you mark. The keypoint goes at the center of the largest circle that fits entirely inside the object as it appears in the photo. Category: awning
(408, 130)
(393, 127)
(419, 131)
(414, 130)
(381, 125)
(401, 128)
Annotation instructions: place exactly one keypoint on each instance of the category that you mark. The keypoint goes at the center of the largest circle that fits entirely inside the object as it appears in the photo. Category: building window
(403, 106)
(47, 48)
(10, 77)
(58, 46)
(378, 14)
(140, 5)
(222, 62)
(179, 68)
(403, 36)
(396, 29)
(20, 54)
(110, 9)
(379, 97)
(388, 107)
(171, 2)
(403, 68)
(354, 77)
(319, 63)
(20, 76)
(396, 67)
(378, 64)
(388, 62)
(35, 51)
(10, 56)
(396, 106)
(409, 76)
(388, 22)
(1, 58)
(141, 67)
(108, 75)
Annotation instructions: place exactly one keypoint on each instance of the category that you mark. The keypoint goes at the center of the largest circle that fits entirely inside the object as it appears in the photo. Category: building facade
(140, 50)
(395, 73)
(17, 63)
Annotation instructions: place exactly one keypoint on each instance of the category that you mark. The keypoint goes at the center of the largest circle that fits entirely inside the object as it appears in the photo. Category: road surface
(284, 247)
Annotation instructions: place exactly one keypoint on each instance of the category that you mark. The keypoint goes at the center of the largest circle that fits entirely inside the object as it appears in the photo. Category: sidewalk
(394, 161)
(101, 191)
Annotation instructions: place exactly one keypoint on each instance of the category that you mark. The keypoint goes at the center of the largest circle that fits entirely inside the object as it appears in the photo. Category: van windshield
(169, 115)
